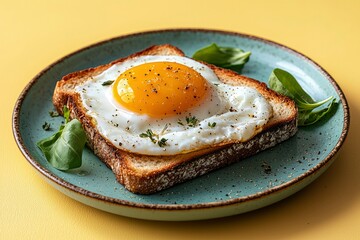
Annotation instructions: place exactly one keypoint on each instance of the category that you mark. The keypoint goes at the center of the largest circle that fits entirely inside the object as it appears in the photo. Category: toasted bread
(146, 174)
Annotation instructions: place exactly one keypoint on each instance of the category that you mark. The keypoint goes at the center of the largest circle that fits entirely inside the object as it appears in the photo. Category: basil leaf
(310, 117)
(225, 57)
(311, 106)
(63, 150)
(277, 86)
(286, 84)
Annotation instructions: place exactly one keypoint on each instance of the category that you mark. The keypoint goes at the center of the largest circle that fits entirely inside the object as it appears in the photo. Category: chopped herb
(107, 83)
(149, 134)
(162, 142)
(154, 137)
(212, 125)
(46, 126)
(191, 121)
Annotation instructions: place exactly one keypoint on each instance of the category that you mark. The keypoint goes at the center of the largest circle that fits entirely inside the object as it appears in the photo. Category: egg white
(238, 113)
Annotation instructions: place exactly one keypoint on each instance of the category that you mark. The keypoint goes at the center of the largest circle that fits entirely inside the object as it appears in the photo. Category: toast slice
(146, 174)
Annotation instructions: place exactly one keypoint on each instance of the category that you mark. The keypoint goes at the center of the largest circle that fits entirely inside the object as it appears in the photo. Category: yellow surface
(35, 33)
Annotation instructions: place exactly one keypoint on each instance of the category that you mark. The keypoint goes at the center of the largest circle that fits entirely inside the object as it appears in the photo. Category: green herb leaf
(311, 106)
(149, 134)
(162, 142)
(226, 57)
(63, 150)
(107, 83)
(143, 135)
(307, 117)
(154, 137)
(212, 125)
(284, 83)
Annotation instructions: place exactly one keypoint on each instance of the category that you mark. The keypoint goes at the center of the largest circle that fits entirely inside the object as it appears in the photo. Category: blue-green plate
(253, 183)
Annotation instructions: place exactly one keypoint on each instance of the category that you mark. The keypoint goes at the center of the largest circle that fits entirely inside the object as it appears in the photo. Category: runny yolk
(160, 89)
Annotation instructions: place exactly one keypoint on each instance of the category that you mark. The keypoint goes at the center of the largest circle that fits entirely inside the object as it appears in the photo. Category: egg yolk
(160, 89)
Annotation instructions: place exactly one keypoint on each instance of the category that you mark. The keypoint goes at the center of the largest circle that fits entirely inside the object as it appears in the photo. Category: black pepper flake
(266, 167)
(232, 109)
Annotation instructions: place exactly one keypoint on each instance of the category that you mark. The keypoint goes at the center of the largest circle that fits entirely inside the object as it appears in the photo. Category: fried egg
(167, 105)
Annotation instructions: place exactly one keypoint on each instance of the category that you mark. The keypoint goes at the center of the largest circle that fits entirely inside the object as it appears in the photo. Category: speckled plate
(253, 183)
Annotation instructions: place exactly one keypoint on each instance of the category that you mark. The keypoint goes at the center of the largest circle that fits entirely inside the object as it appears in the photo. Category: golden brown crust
(129, 167)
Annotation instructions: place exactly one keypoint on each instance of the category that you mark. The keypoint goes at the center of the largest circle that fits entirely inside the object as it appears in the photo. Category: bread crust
(178, 168)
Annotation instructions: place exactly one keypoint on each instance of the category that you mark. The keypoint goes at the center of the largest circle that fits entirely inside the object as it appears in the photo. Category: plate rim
(125, 203)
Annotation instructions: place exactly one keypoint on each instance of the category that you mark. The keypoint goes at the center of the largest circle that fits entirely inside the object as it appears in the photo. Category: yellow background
(35, 33)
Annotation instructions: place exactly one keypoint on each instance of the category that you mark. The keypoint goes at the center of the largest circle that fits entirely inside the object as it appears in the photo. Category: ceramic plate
(253, 183)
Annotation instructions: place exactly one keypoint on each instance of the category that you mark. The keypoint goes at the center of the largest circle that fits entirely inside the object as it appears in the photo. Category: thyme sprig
(190, 121)
(155, 138)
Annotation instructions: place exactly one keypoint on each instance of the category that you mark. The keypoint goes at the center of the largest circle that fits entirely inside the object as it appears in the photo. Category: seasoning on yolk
(160, 89)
